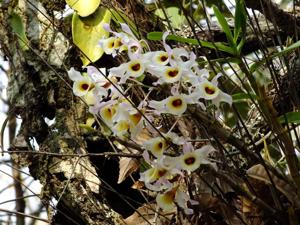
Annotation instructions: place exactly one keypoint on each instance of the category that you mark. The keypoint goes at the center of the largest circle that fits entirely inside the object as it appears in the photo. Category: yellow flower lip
(163, 58)
(165, 201)
(136, 67)
(156, 146)
(107, 113)
(190, 161)
(117, 43)
(135, 118)
(154, 174)
(176, 105)
(172, 72)
(177, 102)
(209, 90)
(111, 44)
(122, 125)
(84, 86)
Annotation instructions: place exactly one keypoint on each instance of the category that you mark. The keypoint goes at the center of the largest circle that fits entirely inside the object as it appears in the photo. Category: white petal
(126, 29)
(74, 75)
(106, 27)
(214, 81)
(166, 46)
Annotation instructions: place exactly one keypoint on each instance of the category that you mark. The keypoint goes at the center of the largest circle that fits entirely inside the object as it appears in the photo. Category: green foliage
(155, 36)
(174, 16)
(84, 8)
(17, 26)
(119, 17)
(290, 117)
(87, 32)
(239, 27)
(240, 97)
(278, 54)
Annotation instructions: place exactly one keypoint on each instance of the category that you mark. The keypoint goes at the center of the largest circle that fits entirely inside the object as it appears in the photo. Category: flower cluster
(176, 68)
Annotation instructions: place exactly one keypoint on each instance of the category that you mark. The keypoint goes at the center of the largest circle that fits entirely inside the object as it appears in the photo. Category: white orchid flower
(107, 111)
(121, 128)
(191, 160)
(133, 68)
(168, 74)
(108, 45)
(127, 38)
(156, 146)
(82, 84)
(175, 54)
(166, 201)
(176, 105)
(210, 91)
(157, 58)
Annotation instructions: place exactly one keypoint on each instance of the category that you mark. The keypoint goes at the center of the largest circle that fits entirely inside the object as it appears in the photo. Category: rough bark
(38, 90)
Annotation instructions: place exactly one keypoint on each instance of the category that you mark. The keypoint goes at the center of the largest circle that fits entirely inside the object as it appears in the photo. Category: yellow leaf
(84, 7)
(87, 32)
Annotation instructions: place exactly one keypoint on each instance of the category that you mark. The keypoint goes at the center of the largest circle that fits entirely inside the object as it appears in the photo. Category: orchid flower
(127, 38)
(111, 45)
(107, 110)
(157, 58)
(167, 74)
(210, 91)
(166, 201)
(82, 84)
(157, 178)
(176, 105)
(192, 159)
(156, 146)
(108, 46)
(134, 68)
(175, 54)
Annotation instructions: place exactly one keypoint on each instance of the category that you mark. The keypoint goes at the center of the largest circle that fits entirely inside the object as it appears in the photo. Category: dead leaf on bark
(127, 166)
(258, 172)
(146, 215)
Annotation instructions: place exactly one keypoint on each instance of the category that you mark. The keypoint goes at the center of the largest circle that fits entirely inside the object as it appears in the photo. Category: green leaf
(238, 97)
(173, 14)
(157, 36)
(83, 7)
(284, 51)
(17, 26)
(239, 20)
(240, 45)
(291, 117)
(224, 25)
(86, 33)
(120, 17)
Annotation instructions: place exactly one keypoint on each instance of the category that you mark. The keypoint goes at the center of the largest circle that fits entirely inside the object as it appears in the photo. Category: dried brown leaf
(138, 185)
(127, 166)
(146, 215)
(258, 172)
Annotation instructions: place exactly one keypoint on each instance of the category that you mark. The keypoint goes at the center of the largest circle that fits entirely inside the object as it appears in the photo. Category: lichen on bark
(39, 89)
